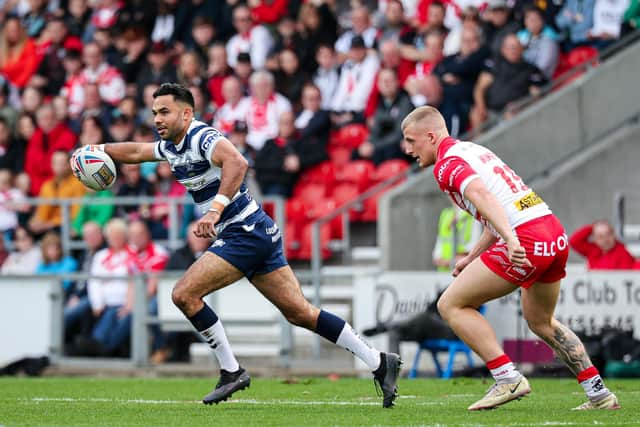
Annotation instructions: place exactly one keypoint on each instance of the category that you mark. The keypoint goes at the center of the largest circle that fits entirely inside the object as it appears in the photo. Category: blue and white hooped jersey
(191, 164)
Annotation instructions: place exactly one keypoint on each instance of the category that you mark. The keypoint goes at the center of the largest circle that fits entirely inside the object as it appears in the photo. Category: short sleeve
(453, 174)
(208, 141)
(158, 151)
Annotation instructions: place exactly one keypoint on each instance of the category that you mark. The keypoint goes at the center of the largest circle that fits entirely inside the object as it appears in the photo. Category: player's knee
(180, 297)
(300, 316)
(444, 307)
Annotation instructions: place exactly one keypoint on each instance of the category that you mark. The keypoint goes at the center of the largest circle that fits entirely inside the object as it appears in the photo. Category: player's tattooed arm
(569, 348)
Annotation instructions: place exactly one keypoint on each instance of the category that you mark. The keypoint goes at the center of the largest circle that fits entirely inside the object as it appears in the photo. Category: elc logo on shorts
(550, 248)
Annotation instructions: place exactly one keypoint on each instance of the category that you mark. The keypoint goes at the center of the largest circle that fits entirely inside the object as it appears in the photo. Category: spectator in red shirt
(50, 136)
(19, 58)
(597, 242)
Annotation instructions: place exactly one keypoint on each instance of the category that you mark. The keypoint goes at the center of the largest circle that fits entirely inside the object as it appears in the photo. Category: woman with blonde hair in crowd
(19, 59)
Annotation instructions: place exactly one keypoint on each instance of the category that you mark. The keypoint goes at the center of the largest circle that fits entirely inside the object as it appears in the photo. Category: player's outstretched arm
(130, 152)
(489, 207)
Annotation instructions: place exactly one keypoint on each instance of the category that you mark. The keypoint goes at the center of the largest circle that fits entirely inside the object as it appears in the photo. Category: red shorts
(547, 248)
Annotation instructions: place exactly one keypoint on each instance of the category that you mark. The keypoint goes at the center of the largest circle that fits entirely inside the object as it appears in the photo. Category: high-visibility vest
(464, 224)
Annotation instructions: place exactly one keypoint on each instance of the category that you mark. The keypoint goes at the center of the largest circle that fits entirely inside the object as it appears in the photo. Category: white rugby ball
(94, 168)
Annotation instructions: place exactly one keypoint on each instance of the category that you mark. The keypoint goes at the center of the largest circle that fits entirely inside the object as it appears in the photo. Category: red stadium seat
(309, 190)
(358, 172)
(323, 173)
(389, 168)
(582, 54)
(339, 156)
(292, 237)
(345, 193)
(370, 209)
(305, 242)
(350, 136)
(296, 212)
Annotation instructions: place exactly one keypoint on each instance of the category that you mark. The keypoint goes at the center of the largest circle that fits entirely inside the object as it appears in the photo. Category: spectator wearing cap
(109, 80)
(19, 58)
(218, 70)
(539, 41)
(51, 75)
(250, 38)
(49, 137)
(505, 79)
(498, 24)
(235, 107)
(158, 67)
(265, 107)
(361, 27)
(356, 80)
(327, 74)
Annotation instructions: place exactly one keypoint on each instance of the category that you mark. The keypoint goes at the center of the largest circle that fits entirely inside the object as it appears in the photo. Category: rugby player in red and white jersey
(523, 245)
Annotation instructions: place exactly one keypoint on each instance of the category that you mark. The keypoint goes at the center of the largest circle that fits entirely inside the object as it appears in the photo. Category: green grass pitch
(300, 402)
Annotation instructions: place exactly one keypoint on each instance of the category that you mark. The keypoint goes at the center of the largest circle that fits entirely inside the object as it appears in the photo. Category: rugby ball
(94, 168)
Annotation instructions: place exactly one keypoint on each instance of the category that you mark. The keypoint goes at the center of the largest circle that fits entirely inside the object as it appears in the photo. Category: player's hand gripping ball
(93, 167)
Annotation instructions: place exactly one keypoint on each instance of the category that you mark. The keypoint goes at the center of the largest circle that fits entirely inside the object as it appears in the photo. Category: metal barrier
(174, 240)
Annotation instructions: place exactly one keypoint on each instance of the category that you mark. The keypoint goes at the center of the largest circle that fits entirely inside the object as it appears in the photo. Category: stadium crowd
(299, 86)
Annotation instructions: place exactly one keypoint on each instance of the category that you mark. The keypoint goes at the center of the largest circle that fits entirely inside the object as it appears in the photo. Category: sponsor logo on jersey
(528, 201)
(218, 243)
(454, 174)
(209, 140)
(271, 230)
(249, 228)
(442, 169)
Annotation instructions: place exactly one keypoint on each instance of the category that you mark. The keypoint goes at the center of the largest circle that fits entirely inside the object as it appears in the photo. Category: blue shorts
(253, 246)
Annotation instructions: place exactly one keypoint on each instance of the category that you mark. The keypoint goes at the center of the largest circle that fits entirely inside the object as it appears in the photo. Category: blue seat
(436, 346)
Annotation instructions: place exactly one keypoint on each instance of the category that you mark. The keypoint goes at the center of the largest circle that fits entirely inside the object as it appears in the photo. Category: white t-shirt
(607, 17)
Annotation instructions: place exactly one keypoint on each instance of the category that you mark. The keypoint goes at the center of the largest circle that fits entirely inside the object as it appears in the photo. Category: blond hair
(425, 113)
(51, 238)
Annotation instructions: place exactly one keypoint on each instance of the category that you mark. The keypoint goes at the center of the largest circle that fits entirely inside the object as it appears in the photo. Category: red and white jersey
(460, 162)
(228, 114)
(111, 292)
(109, 80)
(257, 43)
(262, 119)
(153, 258)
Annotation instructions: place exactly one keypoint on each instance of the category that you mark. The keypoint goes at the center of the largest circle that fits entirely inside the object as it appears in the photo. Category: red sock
(502, 369)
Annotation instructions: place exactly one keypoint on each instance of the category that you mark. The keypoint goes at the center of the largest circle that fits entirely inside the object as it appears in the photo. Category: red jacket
(269, 12)
(618, 258)
(19, 69)
(37, 159)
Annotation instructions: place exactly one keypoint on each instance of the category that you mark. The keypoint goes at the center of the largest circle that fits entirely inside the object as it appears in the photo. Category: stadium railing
(175, 218)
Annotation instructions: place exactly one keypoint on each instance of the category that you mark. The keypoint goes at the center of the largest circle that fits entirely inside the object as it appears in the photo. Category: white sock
(505, 374)
(351, 341)
(595, 388)
(217, 340)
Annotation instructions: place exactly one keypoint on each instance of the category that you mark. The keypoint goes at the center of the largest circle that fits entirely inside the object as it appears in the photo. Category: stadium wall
(550, 133)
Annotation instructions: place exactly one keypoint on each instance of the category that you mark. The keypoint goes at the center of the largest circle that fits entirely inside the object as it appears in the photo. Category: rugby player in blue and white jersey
(248, 242)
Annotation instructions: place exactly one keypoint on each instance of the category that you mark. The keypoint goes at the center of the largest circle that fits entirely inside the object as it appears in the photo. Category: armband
(222, 199)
